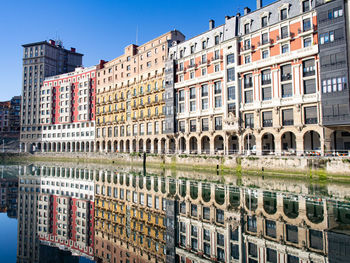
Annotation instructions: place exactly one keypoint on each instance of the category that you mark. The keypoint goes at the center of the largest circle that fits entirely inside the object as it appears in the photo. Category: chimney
(258, 4)
(211, 24)
(247, 9)
(52, 42)
(72, 49)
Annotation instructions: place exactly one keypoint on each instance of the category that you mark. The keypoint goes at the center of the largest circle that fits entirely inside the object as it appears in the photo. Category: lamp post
(248, 151)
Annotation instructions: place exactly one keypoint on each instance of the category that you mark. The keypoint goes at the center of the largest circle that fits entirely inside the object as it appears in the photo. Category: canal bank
(286, 165)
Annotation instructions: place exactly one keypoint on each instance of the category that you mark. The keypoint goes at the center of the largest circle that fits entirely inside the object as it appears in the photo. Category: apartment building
(41, 60)
(203, 92)
(67, 111)
(10, 118)
(130, 97)
(66, 210)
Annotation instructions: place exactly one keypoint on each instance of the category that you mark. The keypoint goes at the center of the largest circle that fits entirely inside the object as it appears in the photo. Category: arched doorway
(205, 142)
(127, 146)
(103, 146)
(162, 145)
(115, 144)
(268, 143)
(340, 142)
(172, 145)
(134, 145)
(141, 145)
(148, 146)
(97, 146)
(288, 143)
(219, 144)
(69, 147)
(182, 145)
(121, 146)
(249, 144)
(155, 145)
(312, 143)
(233, 144)
(193, 145)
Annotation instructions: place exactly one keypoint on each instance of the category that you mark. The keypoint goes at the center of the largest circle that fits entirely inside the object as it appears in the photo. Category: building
(130, 97)
(66, 210)
(8, 196)
(40, 60)
(67, 111)
(130, 217)
(15, 117)
(5, 107)
(202, 94)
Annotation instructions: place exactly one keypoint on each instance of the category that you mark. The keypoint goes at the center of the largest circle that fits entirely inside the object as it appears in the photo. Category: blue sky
(99, 29)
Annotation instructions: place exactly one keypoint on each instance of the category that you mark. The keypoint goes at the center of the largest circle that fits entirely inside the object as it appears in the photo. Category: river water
(67, 212)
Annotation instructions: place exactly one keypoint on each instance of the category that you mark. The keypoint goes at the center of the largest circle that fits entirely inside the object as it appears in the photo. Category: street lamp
(248, 151)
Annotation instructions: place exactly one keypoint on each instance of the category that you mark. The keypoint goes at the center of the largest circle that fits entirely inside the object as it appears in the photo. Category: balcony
(288, 122)
(286, 77)
(266, 82)
(308, 73)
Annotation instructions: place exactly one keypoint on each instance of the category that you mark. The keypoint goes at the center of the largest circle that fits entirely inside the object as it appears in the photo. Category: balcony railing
(311, 121)
(267, 123)
(288, 122)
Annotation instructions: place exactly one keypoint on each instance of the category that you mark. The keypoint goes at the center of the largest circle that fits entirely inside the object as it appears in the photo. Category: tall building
(4, 117)
(67, 111)
(15, 117)
(130, 97)
(40, 60)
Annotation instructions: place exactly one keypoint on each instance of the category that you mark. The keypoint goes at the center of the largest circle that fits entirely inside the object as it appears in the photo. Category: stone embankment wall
(292, 164)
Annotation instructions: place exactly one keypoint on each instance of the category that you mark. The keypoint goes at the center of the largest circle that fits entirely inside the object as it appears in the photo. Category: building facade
(40, 60)
(67, 111)
(130, 97)
(204, 92)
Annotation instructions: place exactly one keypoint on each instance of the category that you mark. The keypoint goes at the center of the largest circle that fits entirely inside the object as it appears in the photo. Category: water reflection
(118, 215)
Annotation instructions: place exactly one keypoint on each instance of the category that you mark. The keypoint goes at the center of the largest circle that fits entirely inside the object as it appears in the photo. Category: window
(192, 125)
(309, 86)
(283, 14)
(334, 84)
(309, 68)
(206, 216)
(292, 259)
(230, 74)
(266, 77)
(285, 48)
(310, 114)
(246, 44)
(248, 96)
(217, 40)
(204, 44)
(246, 28)
(231, 91)
(218, 123)
(292, 233)
(306, 24)
(316, 239)
(204, 91)
(284, 32)
(307, 42)
(265, 38)
(230, 59)
(286, 73)
(204, 58)
(192, 49)
(266, 93)
(265, 54)
(182, 126)
(204, 71)
(205, 124)
(287, 90)
(264, 21)
(252, 250)
(267, 118)
(194, 210)
(271, 255)
(218, 103)
(270, 228)
(217, 87)
(220, 216)
(306, 6)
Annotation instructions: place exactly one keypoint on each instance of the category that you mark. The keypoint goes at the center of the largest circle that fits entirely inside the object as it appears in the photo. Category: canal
(64, 212)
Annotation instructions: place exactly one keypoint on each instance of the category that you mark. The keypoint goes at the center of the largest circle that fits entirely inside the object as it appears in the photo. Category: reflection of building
(55, 209)
(66, 210)
(27, 241)
(130, 216)
(8, 196)
(211, 222)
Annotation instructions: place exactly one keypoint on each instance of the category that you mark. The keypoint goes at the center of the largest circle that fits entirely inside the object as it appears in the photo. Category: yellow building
(130, 97)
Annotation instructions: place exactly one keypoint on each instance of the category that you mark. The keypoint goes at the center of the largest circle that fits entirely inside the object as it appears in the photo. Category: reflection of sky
(8, 238)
